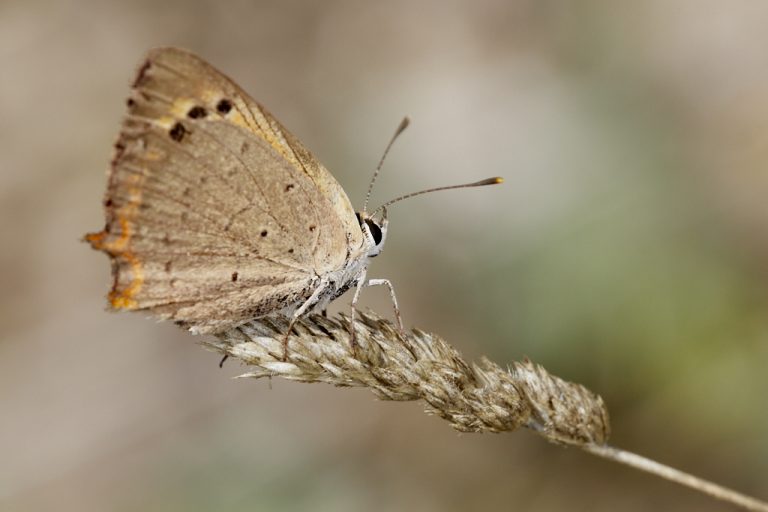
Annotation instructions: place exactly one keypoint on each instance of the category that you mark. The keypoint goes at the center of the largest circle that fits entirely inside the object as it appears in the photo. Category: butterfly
(217, 215)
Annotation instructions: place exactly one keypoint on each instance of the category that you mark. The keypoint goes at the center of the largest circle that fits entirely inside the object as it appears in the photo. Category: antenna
(403, 125)
(482, 183)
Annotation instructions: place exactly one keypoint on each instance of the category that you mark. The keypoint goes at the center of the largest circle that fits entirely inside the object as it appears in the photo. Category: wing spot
(197, 112)
(178, 132)
(234, 276)
(224, 106)
(312, 228)
(168, 265)
(290, 251)
(289, 187)
(244, 148)
(130, 102)
(264, 233)
(119, 150)
(108, 202)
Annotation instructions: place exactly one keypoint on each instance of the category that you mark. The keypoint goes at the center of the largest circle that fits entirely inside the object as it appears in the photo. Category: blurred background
(627, 251)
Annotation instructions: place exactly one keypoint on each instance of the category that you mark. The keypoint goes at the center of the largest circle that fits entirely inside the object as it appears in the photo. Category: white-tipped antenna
(482, 183)
(403, 125)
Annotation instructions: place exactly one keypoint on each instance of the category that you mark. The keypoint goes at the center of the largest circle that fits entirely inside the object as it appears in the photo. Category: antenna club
(490, 181)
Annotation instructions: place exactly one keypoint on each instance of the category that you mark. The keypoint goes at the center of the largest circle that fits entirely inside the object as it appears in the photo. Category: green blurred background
(626, 251)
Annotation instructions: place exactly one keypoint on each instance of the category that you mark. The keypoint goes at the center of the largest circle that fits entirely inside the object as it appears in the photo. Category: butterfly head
(374, 231)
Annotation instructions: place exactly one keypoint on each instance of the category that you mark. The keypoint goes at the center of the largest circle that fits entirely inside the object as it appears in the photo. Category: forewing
(209, 220)
(217, 91)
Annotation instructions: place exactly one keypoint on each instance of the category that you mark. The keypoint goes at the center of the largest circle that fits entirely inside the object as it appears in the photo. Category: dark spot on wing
(168, 265)
(130, 102)
(197, 112)
(234, 276)
(119, 150)
(264, 232)
(312, 228)
(290, 251)
(224, 106)
(244, 147)
(289, 187)
(178, 132)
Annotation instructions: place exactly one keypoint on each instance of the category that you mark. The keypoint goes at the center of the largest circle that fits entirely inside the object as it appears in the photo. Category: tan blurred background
(627, 251)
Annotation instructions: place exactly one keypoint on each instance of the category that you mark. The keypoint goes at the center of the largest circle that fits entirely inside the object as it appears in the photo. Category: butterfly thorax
(335, 283)
(343, 280)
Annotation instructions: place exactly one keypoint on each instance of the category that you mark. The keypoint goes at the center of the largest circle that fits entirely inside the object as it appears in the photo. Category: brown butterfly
(216, 214)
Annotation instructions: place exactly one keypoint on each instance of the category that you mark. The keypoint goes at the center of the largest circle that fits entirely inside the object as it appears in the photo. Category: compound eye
(375, 231)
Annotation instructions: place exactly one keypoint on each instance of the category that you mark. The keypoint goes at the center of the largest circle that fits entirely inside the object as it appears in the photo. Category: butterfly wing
(215, 213)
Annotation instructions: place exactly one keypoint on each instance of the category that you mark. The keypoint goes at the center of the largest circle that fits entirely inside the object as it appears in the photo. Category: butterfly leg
(374, 282)
(360, 285)
(300, 311)
(388, 284)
